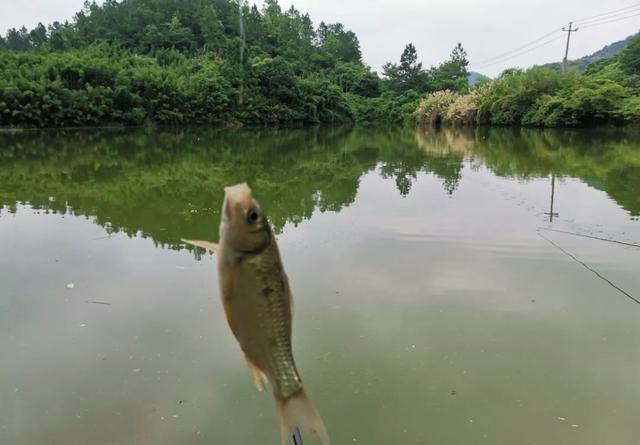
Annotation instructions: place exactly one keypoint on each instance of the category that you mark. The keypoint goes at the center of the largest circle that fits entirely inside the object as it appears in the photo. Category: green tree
(408, 75)
(307, 33)
(451, 74)
(18, 40)
(339, 45)
(62, 36)
(38, 36)
(357, 79)
(630, 57)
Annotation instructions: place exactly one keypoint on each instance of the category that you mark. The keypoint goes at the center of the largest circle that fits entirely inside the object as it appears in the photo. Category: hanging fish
(257, 302)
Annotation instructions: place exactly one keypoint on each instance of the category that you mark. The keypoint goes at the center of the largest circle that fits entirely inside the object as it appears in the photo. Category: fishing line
(590, 236)
(606, 280)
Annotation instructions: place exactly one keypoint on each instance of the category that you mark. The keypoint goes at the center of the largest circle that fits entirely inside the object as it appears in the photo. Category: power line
(555, 39)
(608, 17)
(610, 21)
(500, 56)
(585, 19)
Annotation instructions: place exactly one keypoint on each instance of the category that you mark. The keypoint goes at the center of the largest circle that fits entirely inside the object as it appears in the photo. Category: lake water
(437, 300)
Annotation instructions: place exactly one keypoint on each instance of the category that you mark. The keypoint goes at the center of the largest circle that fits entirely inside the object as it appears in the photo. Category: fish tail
(299, 412)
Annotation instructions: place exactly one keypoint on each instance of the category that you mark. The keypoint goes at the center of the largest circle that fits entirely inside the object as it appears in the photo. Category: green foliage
(338, 45)
(581, 102)
(630, 57)
(172, 62)
(389, 107)
(514, 93)
(103, 84)
(357, 79)
(324, 101)
(451, 74)
(604, 94)
(630, 109)
(18, 40)
(409, 75)
(175, 62)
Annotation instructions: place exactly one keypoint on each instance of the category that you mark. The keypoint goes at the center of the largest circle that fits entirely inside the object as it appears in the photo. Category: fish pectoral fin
(259, 379)
(207, 245)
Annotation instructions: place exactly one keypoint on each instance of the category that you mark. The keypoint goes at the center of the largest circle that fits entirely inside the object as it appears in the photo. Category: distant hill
(582, 63)
(474, 78)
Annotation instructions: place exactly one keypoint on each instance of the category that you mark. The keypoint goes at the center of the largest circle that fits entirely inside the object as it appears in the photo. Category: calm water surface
(433, 305)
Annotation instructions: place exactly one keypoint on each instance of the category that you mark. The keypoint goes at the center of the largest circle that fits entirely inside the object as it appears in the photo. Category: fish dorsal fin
(207, 245)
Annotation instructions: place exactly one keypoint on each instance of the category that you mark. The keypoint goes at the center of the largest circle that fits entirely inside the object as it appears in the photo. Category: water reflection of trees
(607, 159)
(168, 184)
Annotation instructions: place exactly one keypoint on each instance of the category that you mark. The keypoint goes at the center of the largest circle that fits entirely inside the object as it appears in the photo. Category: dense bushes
(103, 84)
(607, 93)
(389, 107)
(581, 102)
(514, 94)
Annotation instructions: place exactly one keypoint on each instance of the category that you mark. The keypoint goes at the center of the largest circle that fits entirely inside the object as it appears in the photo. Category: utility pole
(566, 51)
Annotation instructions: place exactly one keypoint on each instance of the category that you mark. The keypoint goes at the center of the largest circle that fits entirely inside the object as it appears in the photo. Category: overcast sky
(486, 28)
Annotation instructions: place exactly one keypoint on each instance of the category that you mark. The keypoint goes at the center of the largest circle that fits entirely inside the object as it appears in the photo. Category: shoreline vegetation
(608, 92)
(217, 62)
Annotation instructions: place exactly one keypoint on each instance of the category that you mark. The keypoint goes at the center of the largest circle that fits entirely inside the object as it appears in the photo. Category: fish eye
(253, 215)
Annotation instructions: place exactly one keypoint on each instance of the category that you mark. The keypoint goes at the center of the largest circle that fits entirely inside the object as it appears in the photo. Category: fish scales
(273, 305)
